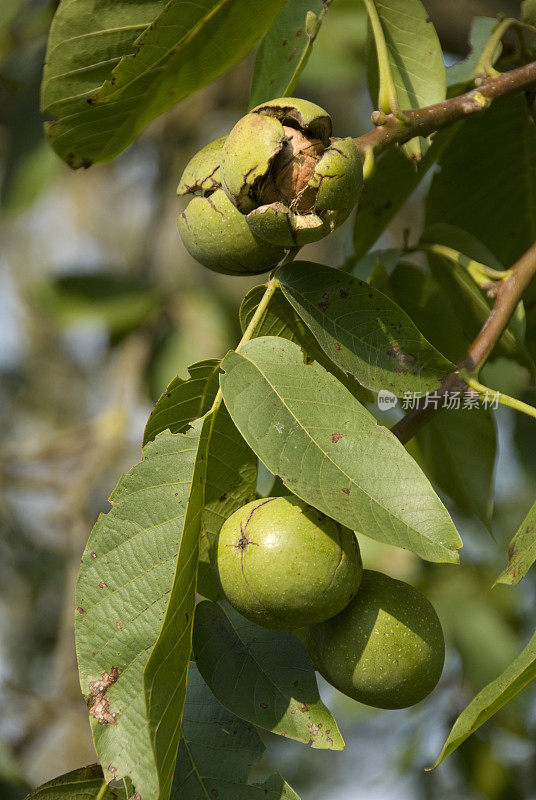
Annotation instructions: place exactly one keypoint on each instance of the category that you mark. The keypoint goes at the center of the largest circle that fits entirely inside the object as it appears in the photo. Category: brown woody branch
(508, 293)
(427, 120)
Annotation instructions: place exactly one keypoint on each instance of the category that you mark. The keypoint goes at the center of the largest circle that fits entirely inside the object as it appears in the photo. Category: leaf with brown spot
(264, 676)
(276, 72)
(98, 705)
(364, 332)
(131, 705)
(287, 411)
(85, 783)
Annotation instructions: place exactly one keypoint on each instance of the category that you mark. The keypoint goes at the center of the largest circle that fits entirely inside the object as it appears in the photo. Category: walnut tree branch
(427, 120)
(508, 293)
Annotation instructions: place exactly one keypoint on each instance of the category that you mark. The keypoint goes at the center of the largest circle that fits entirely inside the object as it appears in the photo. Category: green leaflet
(521, 552)
(113, 67)
(217, 751)
(308, 429)
(80, 784)
(281, 319)
(263, 676)
(184, 400)
(285, 48)
(415, 59)
(232, 467)
(364, 332)
(135, 601)
(458, 75)
(492, 698)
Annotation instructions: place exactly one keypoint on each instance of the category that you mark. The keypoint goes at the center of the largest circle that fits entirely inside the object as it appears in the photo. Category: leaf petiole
(102, 791)
(254, 323)
(503, 399)
(480, 273)
(387, 98)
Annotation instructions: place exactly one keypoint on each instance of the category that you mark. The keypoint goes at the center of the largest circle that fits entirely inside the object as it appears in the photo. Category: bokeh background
(100, 306)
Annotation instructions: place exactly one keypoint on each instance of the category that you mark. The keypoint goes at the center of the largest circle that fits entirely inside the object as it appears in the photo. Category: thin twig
(427, 120)
(507, 295)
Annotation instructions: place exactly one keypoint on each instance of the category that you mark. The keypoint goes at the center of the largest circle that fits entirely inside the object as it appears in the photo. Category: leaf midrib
(326, 455)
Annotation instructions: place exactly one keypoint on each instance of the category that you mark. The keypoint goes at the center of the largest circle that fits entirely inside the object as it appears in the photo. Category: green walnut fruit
(212, 229)
(386, 649)
(283, 564)
(282, 169)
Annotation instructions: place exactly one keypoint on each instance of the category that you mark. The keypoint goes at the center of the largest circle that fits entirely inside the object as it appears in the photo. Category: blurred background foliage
(100, 306)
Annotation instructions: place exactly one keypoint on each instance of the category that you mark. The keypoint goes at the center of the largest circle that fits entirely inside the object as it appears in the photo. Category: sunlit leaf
(308, 429)
(281, 319)
(108, 74)
(414, 57)
(135, 600)
(362, 331)
(184, 400)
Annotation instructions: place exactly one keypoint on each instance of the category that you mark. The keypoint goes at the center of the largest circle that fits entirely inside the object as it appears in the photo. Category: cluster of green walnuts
(278, 181)
(283, 564)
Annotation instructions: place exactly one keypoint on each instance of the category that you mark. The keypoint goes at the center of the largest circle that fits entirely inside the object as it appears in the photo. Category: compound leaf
(263, 676)
(362, 331)
(113, 67)
(308, 429)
